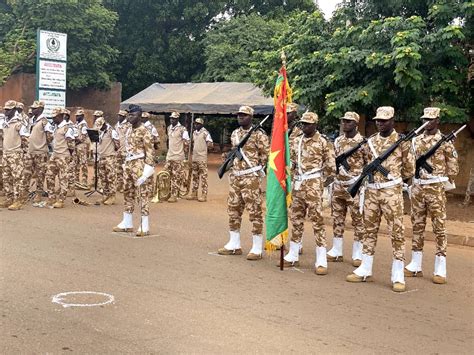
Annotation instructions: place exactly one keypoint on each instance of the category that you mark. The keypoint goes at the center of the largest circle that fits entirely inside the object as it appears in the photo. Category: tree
(89, 26)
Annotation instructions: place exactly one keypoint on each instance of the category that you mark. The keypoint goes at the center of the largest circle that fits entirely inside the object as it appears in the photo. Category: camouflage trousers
(132, 171)
(119, 162)
(389, 204)
(57, 166)
(245, 193)
(82, 174)
(71, 173)
(429, 200)
(107, 175)
(35, 167)
(200, 174)
(177, 175)
(308, 201)
(12, 175)
(341, 202)
(1, 171)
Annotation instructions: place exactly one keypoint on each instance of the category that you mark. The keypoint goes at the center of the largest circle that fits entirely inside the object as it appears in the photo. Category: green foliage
(89, 27)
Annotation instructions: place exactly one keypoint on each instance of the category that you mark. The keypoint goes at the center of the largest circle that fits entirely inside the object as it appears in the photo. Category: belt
(304, 177)
(131, 157)
(348, 182)
(247, 171)
(433, 180)
(384, 185)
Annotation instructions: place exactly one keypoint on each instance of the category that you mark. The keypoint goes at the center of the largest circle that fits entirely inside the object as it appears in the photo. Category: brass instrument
(161, 187)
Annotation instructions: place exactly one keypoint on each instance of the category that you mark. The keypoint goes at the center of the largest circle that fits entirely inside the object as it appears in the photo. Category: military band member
(139, 166)
(121, 127)
(340, 199)
(428, 196)
(2, 193)
(63, 148)
(15, 144)
(71, 172)
(83, 143)
(384, 197)
(312, 158)
(154, 132)
(202, 140)
(109, 143)
(178, 139)
(245, 180)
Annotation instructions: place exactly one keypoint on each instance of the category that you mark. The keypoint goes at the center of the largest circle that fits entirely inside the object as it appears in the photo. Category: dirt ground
(173, 294)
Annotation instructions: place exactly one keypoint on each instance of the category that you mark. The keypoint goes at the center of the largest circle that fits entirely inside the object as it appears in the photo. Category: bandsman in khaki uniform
(139, 167)
(15, 144)
(83, 143)
(37, 158)
(340, 199)
(121, 127)
(312, 158)
(2, 193)
(178, 139)
(71, 170)
(109, 143)
(384, 197)
(202, 140)
(63, 148)
(245, 179)
(428, 196)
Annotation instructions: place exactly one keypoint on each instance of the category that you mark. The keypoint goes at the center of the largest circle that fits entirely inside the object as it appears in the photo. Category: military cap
(145, 115)
(174, 114)
(199, 120)
(292, 107)
(56, 111)
(20, 105)
(351, 116)
(9, 105)
(431, 113)
(66, 111)
(98, 113)
(309, 117)
(37, 104)
(246, 110)
(99, 122)
(122, 113)
(80, 111)
(384, 113)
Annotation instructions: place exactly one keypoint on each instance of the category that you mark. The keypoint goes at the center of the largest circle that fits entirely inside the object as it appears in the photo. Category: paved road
(172, 294)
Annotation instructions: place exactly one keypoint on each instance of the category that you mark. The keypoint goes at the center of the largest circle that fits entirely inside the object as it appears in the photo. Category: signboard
(52, 75)
(52, 98)
(52, 45)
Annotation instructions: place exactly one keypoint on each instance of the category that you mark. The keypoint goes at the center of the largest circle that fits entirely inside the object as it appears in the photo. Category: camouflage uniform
(1, 157)
(201, 140)
(121, 128)
(83, 143)
(108, 144)
(469, 188)
(178, 144)
(155, 142)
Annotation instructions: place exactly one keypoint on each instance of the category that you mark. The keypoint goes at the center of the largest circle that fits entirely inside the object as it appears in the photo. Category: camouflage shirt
(294, 132)
(255, 150)
(356, 161)
(444, 161)
(121, 128)
(138, 142)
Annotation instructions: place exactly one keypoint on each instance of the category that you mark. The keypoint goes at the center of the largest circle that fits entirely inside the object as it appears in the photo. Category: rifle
(235, 152)
(422, 161)
(376, 164)
(341, 159)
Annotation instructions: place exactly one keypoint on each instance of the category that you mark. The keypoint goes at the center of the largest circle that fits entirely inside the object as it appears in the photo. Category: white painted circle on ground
(60, 299)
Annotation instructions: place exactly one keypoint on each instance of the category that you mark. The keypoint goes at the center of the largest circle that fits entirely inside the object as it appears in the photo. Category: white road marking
(59, 299)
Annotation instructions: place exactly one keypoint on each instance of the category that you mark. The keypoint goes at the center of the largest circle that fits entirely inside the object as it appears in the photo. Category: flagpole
(282, 249)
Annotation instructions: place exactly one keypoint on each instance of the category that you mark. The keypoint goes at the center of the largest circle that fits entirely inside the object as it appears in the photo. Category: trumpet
(161, 187)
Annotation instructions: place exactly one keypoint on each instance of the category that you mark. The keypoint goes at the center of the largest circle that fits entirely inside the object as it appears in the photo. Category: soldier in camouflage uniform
(384, 197)
(63, 147)
(178, 139)
(71, 170)
(37, 157)
(15, 144)
(121, 127)
(2, 193)
(428, 196)
(294, 130)
(83, 143)
(156, 144)
(245, 180)
(109, 143)
(340, 199)
(202, 140)
(312, 159)
(139, 167)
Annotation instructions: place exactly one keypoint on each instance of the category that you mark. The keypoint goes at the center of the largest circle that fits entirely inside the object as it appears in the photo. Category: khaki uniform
(294, 132)
(15, 143)
(121, 129)
(341, 201)
(83, 143)
(178, 144)
(312, 159)
(384, 197)
(1, 156)
(139, 151)
(63, 145)
(428, 195)
(201, 141)
(108, 141)
(245, 179)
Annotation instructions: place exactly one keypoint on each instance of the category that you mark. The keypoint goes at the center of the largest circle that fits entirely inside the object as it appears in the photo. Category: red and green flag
(278, 195)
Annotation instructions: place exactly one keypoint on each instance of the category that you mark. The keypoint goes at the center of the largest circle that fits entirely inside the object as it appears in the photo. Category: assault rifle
(235, 152)
(341, 159)
(422, 161)
(376, 164)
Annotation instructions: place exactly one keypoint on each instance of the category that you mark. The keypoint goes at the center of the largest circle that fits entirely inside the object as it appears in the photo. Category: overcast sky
(328, 6)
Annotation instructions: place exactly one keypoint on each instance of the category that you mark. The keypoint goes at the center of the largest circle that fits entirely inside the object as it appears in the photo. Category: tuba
(162, 187)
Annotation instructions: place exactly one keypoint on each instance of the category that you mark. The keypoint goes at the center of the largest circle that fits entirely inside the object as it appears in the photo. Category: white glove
(141, 180)
(148, 171)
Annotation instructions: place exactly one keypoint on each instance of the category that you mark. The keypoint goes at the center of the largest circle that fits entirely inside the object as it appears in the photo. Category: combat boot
(364, 272)
(233, 245)
(439, 275)
(110, 200)
(58, 204)
(193, 196)
(321, 264)
(15, 206)
(398, 277)
(335, 254)
(203, 198)
(173, 199)
(257, 248)
(6, 203)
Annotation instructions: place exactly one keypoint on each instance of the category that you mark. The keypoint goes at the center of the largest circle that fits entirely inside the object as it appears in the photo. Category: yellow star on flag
(273, 155)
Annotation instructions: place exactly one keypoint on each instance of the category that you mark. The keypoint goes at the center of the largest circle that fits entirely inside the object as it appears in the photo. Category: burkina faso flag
(278, 195)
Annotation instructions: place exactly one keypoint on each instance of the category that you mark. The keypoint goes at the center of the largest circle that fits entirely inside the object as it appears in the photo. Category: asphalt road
(173, 294)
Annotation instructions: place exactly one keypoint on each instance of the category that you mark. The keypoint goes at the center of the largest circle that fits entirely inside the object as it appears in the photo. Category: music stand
(94, 137)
